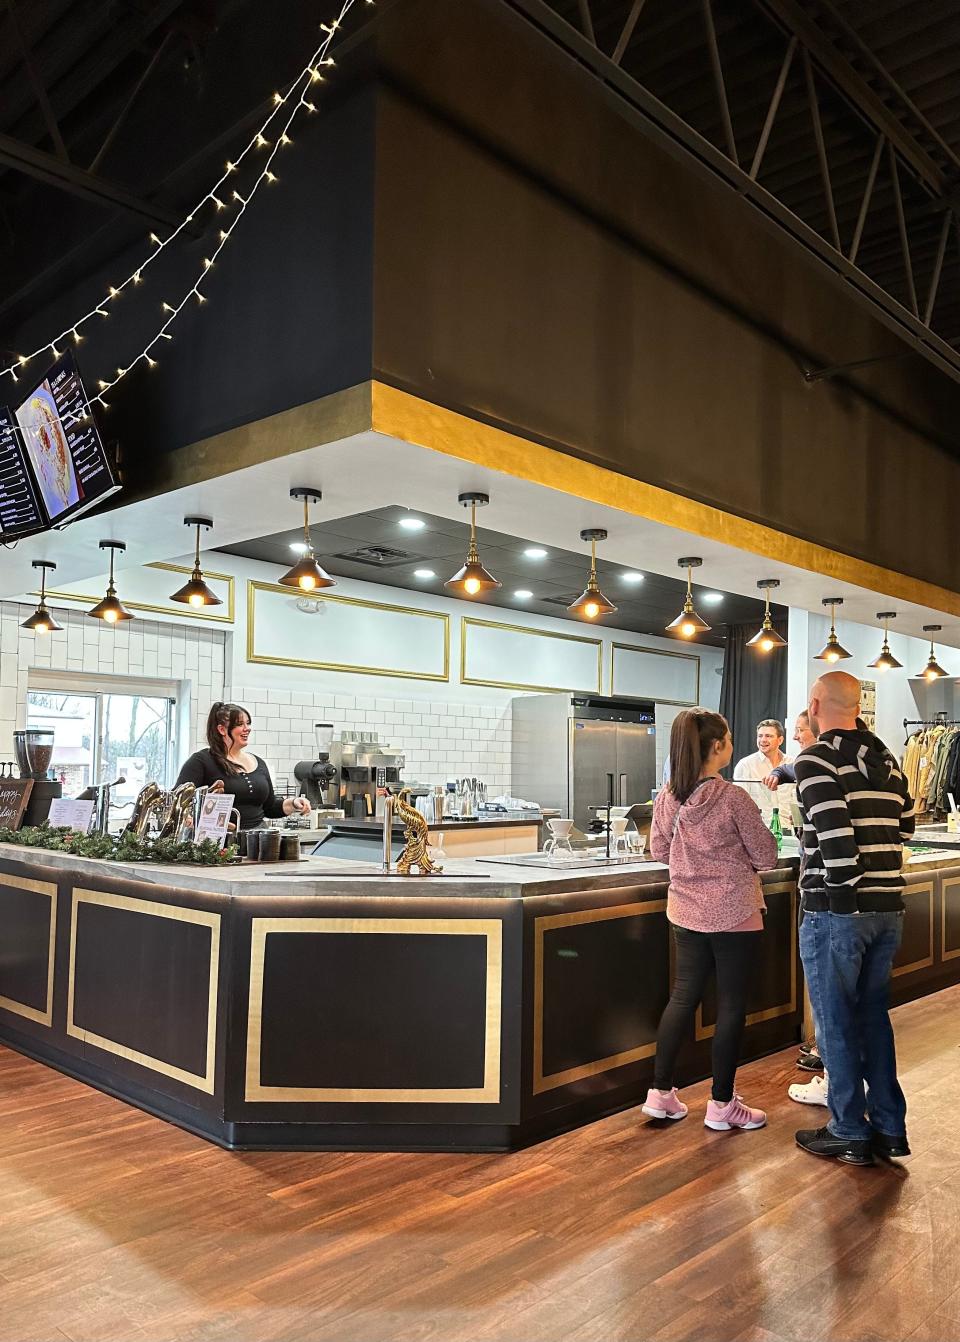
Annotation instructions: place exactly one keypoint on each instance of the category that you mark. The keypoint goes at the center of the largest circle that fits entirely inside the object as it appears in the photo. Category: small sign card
(214, 817)
(14, 795)
(69, 814)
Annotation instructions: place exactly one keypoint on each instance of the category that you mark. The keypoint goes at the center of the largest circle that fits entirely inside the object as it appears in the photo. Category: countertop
(478, 822)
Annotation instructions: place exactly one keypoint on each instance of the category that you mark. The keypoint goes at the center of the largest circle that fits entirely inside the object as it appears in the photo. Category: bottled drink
(776, 829)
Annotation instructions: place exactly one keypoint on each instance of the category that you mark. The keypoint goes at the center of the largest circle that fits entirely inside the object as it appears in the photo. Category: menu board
(21, 512)
(14, 795)
(62, 445)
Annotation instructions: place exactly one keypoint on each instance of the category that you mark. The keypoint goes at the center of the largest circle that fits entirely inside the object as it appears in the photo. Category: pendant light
(591, 602)
(933, 670)
(109, 609)
(306, 573)
(472, 578)
(833, 650)
(688, 622)
(766, 638)
(196, 592)
(886, 661)
(41, 621)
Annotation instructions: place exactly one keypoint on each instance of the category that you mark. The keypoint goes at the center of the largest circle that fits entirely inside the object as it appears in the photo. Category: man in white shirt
(752, 770)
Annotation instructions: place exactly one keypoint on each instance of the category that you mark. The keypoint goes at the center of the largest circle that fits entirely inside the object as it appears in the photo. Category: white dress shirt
(751, 770)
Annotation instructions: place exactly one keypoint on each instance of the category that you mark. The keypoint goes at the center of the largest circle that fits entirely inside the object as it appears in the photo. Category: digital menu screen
(21, 512)
(62, 445)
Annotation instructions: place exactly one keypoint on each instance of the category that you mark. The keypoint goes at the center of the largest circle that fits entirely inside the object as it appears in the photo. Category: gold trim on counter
(151, 909)
(953, 882)
(469, 621)
(702, 1031)
(255, 586)
(655, 652)
(173, 609)
(921, 888)
(49, 889)
(547, 923)
(491, 929)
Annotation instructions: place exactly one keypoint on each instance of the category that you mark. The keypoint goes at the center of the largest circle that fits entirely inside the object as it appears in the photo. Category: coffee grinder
(34, 751)
(318, 778)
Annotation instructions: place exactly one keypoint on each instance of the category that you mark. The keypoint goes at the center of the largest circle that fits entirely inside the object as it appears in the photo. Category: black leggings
(732, 955)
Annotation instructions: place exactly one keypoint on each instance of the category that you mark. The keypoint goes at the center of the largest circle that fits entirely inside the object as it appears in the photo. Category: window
(100, 735)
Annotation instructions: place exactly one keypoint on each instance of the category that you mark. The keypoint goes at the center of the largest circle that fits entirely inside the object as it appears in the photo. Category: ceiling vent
(567, 600)
(378, 556)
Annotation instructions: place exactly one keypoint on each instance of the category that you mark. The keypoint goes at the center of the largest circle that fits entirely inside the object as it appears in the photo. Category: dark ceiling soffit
(78, 182)
(655, 120)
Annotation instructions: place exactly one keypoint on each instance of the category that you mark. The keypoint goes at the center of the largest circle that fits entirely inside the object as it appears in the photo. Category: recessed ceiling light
(412, 523)
(631, 576)
(535, 552)
(522, 594)
(298, 547)
(711, 598)
(424, 573)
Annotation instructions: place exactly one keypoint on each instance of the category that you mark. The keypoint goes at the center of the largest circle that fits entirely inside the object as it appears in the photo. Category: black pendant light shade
(41, 621)
(591, 603)
(472, 579)
(110, 609)
(196, 593)
(933, 670)
(306, 574)
(886, 661)
(688, 623)
(766, 639)
(833, 650)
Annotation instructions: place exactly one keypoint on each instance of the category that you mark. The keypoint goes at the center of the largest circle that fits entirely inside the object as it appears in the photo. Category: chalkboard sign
(14, 795)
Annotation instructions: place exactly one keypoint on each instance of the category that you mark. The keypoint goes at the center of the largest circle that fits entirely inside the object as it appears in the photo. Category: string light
(292, 97)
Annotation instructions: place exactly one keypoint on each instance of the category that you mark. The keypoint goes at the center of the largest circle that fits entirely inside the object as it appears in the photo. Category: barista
(227, 766)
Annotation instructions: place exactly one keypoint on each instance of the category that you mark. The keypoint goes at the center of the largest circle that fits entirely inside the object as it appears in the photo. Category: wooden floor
(115, 1225)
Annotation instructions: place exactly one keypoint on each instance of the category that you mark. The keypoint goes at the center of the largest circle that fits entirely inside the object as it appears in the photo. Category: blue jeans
(847, 959)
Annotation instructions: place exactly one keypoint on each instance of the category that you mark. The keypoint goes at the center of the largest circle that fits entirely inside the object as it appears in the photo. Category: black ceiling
(644, 608)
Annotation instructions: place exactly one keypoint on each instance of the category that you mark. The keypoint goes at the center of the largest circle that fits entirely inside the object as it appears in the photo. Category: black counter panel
(28, 910)
(917, 947)
(774, 982)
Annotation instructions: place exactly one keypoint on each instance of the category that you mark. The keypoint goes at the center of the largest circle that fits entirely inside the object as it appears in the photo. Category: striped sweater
(857, 812)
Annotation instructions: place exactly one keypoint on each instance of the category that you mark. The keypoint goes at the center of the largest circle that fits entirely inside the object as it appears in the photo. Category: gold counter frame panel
(151, 909)
(491, 929)
(48, 890)
(548, 923)
(927, 888)
(784, 1008)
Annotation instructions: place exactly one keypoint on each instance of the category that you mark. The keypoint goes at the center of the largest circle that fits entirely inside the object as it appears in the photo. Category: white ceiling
(371, 471)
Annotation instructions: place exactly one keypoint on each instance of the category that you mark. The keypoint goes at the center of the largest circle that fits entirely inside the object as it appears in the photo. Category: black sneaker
(889, 1148)
(821, 1142)
(810, 1060)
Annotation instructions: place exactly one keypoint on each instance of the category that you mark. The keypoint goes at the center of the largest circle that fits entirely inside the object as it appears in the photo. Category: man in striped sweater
(857, 813)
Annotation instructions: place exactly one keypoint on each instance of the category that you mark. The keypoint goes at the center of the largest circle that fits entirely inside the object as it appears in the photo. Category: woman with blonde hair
(712, 837)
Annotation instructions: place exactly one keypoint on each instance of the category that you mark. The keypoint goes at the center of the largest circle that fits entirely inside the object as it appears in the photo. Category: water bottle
(776, 829)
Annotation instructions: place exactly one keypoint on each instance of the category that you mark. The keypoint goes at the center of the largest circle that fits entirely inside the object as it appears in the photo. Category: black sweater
(253, 792)
(857, 812)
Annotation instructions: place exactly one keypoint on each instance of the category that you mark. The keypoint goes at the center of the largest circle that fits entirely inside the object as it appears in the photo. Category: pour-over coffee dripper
(559, 844)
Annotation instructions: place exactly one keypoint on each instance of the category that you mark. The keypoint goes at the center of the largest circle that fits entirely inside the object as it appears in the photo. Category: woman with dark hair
(712, 837)
(227, 766)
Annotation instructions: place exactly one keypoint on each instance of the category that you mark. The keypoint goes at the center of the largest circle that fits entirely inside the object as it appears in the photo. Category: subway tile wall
(439, 739)
(147, 648)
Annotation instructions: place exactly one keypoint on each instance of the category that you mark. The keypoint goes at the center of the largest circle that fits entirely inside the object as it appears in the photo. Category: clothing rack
(941, 720)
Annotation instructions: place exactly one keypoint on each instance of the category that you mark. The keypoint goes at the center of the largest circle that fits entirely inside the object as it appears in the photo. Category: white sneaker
(814, 1092)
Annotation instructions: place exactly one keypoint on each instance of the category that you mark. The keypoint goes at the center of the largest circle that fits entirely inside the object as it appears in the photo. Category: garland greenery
(125, 848)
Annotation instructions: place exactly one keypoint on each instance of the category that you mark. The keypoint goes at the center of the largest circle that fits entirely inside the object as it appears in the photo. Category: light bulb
(472, 586)
(110, 616)
(766, 644)
(831, 657)
(308, 582)
(591, 610)
(687, 629)
(196, 599)
(41, 628)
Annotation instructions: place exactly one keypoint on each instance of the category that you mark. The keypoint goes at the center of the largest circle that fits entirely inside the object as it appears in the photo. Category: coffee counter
(324, 1004)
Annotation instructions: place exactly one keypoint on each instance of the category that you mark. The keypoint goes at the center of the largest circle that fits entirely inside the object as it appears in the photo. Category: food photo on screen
(45, 440)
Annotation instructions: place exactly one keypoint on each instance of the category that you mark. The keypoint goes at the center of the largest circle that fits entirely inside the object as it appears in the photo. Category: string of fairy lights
(273, 134)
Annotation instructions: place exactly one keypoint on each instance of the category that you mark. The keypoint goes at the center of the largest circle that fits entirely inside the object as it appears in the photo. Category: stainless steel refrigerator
(567, 750)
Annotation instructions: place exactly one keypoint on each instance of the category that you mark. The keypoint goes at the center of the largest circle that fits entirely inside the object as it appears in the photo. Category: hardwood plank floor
(114, 1225)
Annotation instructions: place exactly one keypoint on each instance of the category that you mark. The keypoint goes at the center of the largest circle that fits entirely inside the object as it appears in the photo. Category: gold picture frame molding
(657, 652)
(48, 889)
(469, 621)
(255, 585)
(145, 607)
(491, 929)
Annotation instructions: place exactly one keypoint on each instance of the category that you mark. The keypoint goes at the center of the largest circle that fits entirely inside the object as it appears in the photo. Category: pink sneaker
(723, 1117)
(664, 1104)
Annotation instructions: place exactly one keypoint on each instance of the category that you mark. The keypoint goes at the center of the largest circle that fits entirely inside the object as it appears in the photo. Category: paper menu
(65, 812)
(214, 817)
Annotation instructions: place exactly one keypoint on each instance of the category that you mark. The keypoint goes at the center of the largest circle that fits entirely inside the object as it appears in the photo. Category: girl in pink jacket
(711, 835)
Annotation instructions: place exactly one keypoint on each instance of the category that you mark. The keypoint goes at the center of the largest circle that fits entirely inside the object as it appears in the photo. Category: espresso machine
(347, 773)
(34, 752)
